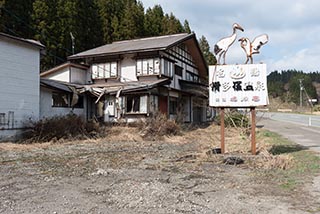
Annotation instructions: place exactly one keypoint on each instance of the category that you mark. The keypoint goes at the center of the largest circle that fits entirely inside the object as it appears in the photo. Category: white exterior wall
(19, 82)
(47, 111)
(128, 69)
(62, 75)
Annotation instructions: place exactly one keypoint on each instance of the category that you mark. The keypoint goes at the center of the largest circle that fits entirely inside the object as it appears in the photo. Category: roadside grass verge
(304, 164)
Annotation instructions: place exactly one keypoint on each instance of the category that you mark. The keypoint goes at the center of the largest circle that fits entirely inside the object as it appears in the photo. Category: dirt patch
(123, 174)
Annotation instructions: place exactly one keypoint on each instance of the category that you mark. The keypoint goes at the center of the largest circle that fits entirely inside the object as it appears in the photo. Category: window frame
(135, 104)
(104, 70)
(148, 66)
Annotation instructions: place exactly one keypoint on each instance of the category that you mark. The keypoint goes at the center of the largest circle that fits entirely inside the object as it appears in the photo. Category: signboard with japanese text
(238, 85)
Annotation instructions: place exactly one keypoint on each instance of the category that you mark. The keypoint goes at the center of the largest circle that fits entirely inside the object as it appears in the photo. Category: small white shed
(19, 84)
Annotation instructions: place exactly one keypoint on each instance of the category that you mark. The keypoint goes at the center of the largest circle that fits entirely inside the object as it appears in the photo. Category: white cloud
(305, 60)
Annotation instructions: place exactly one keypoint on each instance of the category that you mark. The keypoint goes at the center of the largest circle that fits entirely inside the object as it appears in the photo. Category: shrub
(158, 126)
(234, 119)
(70, 126)
(316, 108)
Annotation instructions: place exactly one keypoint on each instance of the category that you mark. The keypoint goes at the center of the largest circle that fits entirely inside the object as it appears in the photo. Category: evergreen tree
(171, 25)
(186, 26)
(88, 34)
(133, 19)
(205, 48)
(91, 22)
(15, 17)
(153, 21)
(110, 10)
(47, 31)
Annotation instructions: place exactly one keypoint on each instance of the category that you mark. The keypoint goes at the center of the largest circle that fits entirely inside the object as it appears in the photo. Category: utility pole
(301, 89)
(72, 40)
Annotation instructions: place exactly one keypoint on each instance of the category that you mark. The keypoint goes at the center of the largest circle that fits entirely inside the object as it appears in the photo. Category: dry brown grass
(204, 140)
(124, 134)
(61, 128)
(158, 126)
(265, 160)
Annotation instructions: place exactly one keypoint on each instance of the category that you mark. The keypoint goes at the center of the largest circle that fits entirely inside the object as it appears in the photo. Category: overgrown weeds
(234, 119)
(158, 126)
(59, 128)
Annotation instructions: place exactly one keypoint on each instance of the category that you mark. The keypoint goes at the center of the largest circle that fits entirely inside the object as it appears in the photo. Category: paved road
(301, 119)
(302, 134)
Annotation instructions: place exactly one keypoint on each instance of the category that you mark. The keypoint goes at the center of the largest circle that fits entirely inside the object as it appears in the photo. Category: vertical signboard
(238, 85)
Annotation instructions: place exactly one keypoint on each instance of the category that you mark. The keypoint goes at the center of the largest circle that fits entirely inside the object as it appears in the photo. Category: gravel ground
(138, 177)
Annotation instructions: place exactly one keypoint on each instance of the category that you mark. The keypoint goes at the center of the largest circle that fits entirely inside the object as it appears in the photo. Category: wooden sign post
(222, 126)
(253, 130)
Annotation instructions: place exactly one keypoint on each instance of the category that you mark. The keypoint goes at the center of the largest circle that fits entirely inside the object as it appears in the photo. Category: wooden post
(222, 130)
(253, 130)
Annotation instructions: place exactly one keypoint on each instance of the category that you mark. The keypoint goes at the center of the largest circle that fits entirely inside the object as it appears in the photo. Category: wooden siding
(19, 82)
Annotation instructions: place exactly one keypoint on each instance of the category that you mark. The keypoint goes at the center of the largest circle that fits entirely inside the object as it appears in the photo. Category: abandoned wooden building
(130, 80)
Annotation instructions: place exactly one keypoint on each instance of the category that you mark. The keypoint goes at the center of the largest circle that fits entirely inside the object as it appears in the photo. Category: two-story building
(19, 84)
(129, 80)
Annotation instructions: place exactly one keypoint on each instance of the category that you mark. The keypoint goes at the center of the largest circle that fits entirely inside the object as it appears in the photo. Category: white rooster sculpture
(223, 45)
(253, 47)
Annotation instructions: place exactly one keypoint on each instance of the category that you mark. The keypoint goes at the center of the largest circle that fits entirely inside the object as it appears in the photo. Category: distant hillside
(286, 85)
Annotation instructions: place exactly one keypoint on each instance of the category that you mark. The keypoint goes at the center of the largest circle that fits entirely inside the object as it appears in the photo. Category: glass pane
(114, 69)
(107, 70)
(145, 67)
(150, 66)
(139, 67)
(94, 70)
(100, 71)
(143, 104)
(157, 66)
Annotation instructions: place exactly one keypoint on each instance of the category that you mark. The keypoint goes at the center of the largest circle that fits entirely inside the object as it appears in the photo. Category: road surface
(292, 126)
(301, 119)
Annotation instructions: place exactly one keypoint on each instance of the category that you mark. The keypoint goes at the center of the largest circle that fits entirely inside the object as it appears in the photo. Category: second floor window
(192, 77)
(104, 70)
(148, 66)
(167, 68)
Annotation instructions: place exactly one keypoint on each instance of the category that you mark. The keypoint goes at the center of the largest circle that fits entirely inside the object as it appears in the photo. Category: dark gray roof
(125, 87)
(55, 84)
(136, 45)
(26, 41)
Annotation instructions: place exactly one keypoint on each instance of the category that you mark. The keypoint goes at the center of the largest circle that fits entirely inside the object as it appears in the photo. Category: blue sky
(293, 27)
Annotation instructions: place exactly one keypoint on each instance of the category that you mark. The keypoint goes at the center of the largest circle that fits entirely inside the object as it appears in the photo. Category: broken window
(60, 99)
(136, 104)
(153, 103)
(173, 105)
(79, 103)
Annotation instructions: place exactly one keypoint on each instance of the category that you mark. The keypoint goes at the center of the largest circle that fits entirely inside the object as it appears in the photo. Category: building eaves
(22, 40)
(64, 65)
(54, 84)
